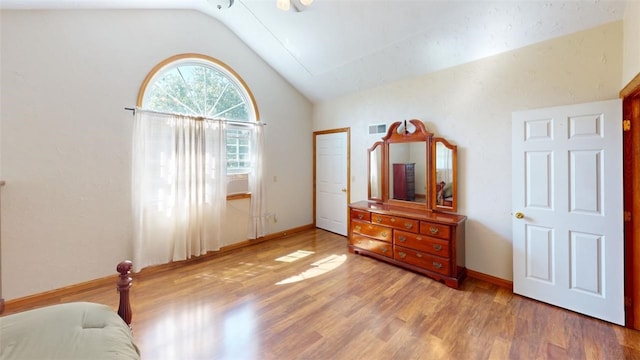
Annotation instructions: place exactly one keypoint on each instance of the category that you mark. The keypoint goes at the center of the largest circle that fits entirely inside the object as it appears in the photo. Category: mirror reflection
(375, 171)
(407, 171)
(444, 175)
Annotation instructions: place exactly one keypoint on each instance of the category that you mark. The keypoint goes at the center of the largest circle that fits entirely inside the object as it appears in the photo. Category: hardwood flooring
(305, 297)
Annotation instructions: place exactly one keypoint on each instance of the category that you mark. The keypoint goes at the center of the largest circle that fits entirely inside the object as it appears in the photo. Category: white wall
(65, 143)
(631, 42)
(472, 105)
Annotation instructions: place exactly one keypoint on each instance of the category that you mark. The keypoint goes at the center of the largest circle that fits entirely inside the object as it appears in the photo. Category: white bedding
(79, 330)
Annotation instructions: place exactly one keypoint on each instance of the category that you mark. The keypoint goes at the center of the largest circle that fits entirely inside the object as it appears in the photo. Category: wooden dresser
(423, 241)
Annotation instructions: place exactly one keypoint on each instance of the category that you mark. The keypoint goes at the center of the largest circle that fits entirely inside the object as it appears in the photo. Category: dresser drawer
(423, 260)
(436, 230)
(371, 230)
(360, 215)
(422, 243)
(376, 246)
(396, 222)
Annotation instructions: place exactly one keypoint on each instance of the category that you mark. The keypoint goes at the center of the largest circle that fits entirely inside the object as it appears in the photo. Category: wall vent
(378, 129)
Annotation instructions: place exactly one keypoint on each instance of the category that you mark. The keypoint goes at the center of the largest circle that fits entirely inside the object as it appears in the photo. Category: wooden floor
(306, 297)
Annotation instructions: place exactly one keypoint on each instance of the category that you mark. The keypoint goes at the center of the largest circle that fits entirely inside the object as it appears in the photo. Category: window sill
(239, 196)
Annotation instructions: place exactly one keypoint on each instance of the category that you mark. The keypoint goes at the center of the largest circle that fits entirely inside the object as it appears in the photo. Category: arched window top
(197, 85)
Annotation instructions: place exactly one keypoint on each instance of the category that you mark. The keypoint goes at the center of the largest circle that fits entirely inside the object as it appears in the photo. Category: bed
(77, 330)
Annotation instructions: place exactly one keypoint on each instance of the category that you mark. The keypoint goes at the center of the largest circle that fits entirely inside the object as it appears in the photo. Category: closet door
(331, 180)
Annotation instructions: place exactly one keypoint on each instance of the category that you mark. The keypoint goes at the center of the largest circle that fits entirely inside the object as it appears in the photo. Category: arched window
(199, 85)
(202, 86)
(195, 145)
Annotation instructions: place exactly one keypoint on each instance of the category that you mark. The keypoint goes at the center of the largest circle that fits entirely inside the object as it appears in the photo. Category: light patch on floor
(296, 255)
(319, 267)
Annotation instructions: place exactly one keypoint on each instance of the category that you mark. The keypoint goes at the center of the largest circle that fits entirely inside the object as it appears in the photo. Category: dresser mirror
(375, 171)
(407, 154)
(445, 177)
(407, 171)
(411, 168)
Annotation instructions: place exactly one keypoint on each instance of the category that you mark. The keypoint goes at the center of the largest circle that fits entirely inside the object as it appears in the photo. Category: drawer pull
(437, 247)
(408, 225)
(419, 238)
(384, 249)
(360, 216)
(393, 219)
(379, 219)
(402, 255)
(418, 255)
(358, 241)
(383, 234)
(437, 265)
(402, 238)
(357, 228)
(433, 230)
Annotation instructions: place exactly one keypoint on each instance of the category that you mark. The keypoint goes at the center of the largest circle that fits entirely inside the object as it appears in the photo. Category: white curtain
(178, 187)
(444, 163)
(258, 219)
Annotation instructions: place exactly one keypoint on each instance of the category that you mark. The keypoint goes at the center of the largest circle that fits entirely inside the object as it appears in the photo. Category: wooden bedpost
(124, 284)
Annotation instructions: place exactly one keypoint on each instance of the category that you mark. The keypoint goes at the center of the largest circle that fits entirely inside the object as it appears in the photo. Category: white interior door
(331, 182)
(568, 245)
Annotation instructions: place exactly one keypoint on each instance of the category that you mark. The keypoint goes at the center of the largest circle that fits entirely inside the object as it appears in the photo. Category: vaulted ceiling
(334, 47)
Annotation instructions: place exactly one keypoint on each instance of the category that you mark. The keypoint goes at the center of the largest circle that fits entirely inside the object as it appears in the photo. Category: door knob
(344, 190)
(519, 215)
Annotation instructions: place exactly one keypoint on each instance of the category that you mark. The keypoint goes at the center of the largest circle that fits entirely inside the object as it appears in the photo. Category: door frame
(630, 96)
(326, 132)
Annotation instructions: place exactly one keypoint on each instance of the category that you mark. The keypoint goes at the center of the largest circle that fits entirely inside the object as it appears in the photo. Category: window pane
(195, 89)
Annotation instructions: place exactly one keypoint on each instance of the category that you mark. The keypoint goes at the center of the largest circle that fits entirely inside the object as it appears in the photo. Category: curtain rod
(134, 109)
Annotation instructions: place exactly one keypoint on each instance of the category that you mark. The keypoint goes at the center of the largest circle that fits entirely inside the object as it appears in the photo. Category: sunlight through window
(296, 255)
(320, 267)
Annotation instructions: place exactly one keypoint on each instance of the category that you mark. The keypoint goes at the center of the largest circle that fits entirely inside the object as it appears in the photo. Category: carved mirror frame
(404, 132)
(412, 131)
